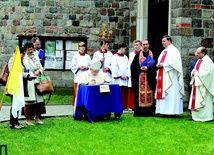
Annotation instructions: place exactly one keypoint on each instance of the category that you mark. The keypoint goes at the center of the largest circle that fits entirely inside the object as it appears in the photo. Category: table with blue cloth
(91, 103)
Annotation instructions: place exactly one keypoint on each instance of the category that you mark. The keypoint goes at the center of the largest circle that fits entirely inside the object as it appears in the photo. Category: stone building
(189, 22)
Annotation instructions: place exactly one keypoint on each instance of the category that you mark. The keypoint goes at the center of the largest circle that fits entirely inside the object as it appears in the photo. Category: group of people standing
(149, 90)
(145, 89)
(159, 88)
(31, 68)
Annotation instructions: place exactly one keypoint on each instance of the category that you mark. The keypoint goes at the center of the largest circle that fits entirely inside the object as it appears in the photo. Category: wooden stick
(2, 98)
(103, 50)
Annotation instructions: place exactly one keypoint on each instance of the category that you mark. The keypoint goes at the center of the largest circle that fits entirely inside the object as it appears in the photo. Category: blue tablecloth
(96, 103)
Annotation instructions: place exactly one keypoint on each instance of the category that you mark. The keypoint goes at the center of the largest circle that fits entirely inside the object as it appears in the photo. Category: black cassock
(151, 76)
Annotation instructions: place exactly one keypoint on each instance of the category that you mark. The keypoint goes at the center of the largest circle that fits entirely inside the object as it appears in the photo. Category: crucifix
(104, 35)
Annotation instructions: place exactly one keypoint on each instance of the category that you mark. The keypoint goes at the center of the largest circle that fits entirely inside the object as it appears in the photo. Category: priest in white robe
(170, 86)
(202, 94)
(79, 64)
(94, 75)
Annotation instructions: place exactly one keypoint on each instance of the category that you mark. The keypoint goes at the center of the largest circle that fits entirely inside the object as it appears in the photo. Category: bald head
(201, 51)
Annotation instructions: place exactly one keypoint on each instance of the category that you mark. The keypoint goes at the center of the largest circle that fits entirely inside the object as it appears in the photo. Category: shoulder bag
(44, 85)
(4, 74)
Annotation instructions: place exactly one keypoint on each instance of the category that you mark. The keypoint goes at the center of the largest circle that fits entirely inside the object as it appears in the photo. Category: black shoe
(16, 126)
(85, 117)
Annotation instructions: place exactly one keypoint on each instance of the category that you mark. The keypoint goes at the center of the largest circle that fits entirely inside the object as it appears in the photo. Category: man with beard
(143, 82)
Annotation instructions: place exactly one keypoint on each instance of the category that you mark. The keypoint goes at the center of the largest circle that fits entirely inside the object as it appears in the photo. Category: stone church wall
(191, 27)
(71, 18)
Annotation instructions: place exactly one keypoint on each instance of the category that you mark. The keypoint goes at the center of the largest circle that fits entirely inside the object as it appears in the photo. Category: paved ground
(51, 111)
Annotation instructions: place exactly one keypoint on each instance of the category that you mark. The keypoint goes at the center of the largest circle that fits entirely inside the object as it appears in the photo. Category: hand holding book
(149, 61)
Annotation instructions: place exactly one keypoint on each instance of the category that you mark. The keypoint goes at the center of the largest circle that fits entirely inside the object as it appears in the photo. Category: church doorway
(157, 24)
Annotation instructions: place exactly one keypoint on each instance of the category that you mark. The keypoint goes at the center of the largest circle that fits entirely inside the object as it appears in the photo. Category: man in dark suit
(192, 64)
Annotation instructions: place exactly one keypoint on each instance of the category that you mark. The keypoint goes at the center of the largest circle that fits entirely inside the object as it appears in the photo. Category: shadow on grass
(63, 91)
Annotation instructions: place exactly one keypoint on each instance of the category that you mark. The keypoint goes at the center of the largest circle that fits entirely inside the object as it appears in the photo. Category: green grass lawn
(129, 135)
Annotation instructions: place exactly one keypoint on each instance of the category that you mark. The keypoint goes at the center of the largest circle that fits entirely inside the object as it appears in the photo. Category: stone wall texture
(192, 26)
(71, 18)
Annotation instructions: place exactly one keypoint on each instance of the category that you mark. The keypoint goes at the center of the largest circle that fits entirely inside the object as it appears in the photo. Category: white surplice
(107, 63)
(78, 61)
(173, 86)
(119, 68)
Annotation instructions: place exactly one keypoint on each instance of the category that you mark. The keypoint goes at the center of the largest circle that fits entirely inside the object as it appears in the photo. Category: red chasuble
(159, 91)
(194, 87)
